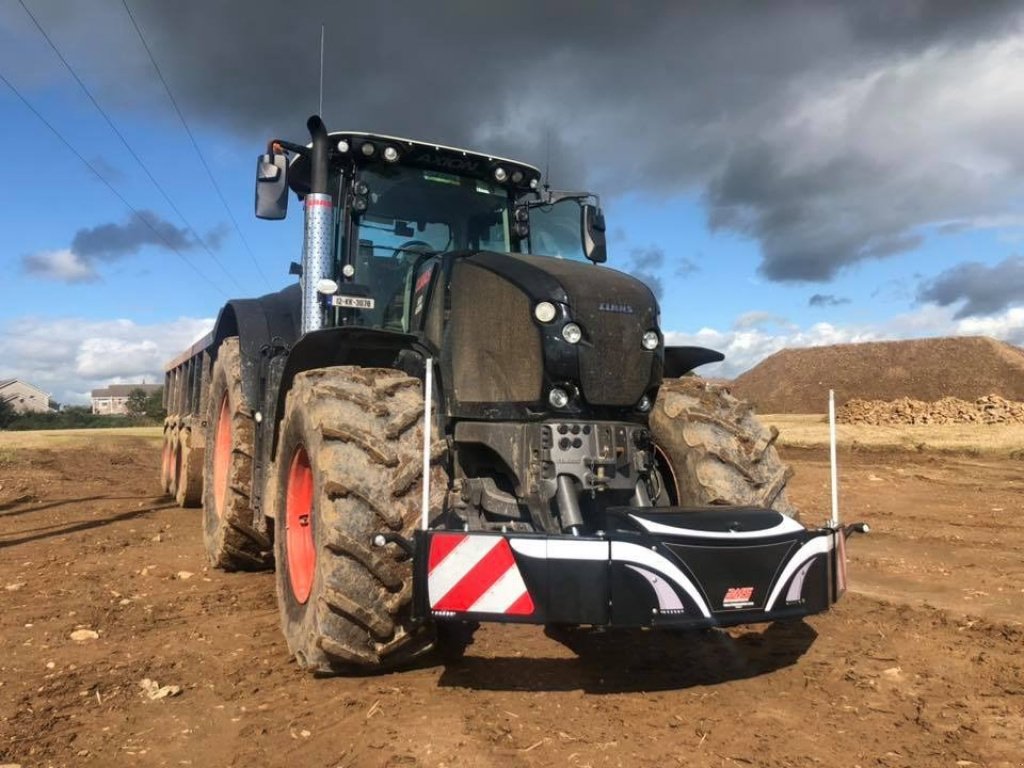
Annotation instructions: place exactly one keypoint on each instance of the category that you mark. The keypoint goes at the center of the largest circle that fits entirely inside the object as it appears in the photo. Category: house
(24, 397)
(114, 399)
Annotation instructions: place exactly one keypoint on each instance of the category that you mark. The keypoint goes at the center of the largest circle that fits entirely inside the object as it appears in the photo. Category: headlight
(343, 146)
(572, 333)
(390, 154)
(545, 311)
(558, 397)
(368, 149)
(650, 340)
(500, 174)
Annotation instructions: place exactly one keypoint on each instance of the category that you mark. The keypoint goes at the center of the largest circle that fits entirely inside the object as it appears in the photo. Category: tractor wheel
(232, 542)
(718, 452)
(349, 467)
(167, 456)
(189, 492)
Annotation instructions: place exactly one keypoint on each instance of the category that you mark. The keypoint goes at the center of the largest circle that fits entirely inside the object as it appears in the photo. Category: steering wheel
(412, 248)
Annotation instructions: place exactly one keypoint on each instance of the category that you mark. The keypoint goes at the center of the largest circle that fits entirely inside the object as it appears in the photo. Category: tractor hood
(608, 367)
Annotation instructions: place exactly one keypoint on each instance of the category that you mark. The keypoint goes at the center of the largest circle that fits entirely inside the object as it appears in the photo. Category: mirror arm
(551, 197)
(298, 149)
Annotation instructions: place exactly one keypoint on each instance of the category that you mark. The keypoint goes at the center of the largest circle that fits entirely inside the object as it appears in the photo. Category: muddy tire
(232, 542)
(718, 452)
(349, 466)
(189, 489)
(167, 457)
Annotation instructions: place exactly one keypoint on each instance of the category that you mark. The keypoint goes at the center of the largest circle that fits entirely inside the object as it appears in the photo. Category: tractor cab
(398, 205)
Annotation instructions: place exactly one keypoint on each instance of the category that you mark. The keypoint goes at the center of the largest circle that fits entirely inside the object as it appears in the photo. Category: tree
(155, 406)
(135, 407)
(7, 413)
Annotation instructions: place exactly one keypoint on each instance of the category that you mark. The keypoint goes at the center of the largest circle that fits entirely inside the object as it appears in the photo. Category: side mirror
(592, 224)
(272, 186)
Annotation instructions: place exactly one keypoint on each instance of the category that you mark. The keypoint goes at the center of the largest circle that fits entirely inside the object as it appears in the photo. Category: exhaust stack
(319, 228)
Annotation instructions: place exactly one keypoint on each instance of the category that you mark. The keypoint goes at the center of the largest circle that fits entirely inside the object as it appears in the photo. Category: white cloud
(70, 356)
(63, 265)
(744, 346)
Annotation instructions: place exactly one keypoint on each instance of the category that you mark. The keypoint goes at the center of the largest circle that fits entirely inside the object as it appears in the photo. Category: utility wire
(106, 183)
(128, 146)
(192, 138)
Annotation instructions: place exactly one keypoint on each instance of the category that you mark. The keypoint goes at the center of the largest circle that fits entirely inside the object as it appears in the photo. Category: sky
(782, 174)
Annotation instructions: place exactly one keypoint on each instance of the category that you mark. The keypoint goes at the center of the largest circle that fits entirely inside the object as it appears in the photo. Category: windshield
(555, 230)
(412, 214)
(443, 211)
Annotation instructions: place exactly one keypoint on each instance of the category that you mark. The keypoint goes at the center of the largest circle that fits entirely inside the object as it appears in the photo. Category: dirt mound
(798, 380)
(990, 409)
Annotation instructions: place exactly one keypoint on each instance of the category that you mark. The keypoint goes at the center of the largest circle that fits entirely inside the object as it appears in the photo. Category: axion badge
(738, 597)
(611, 306)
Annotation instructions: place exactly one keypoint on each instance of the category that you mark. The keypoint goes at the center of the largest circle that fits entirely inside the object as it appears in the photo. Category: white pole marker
(832, 456)
(428, 402)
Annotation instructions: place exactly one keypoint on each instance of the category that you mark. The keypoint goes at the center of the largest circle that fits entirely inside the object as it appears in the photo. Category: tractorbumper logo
(738, 597)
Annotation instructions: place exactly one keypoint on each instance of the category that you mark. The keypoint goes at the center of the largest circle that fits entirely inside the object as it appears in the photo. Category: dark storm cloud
(826, 300)
(111, 242)
(984, 290)
(830, 132)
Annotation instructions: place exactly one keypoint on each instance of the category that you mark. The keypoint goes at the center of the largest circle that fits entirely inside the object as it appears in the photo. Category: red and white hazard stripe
(475, 574)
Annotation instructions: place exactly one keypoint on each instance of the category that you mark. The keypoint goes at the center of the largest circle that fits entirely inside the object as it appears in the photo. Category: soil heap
(967, 368)
(990, 409)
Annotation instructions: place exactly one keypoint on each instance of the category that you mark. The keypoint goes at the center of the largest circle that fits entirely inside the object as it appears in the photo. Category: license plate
(353, 302)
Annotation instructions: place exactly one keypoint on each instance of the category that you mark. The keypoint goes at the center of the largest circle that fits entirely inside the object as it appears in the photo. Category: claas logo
(738, 596)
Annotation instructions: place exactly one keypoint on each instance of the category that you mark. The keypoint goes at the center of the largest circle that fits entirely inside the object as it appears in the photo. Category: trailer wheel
(189, 491)
(232, 542)
(348, 467)
(719, 453)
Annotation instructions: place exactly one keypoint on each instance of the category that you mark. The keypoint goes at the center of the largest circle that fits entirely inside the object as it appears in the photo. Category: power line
(192, 138)
(127, 146)
(106, 183)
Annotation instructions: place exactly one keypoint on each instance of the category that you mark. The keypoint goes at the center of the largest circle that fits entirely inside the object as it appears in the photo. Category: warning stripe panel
(441, 544)
(467, 573)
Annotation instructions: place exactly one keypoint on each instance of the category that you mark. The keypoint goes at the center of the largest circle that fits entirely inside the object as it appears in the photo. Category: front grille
(495, 347)
(614, 369)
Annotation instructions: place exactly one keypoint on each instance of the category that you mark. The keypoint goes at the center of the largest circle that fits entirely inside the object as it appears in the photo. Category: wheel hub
(222, 457)
(299, 526)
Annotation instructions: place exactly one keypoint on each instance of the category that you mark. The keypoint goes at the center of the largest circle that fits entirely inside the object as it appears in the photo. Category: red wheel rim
(222, 457)
(299, 526)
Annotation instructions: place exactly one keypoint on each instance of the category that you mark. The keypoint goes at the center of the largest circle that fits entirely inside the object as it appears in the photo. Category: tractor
(457, 414)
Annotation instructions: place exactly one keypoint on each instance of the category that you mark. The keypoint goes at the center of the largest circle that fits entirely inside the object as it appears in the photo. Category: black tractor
(458, 415)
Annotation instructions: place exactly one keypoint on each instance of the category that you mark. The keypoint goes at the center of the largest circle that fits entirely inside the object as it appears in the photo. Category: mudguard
(679, 361)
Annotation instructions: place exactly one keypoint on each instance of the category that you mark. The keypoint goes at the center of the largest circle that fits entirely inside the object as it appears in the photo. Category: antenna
(323, 28)
(547, 163)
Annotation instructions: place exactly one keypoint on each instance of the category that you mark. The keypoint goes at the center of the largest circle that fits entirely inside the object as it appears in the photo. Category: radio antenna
(323, 28)
(547, 160)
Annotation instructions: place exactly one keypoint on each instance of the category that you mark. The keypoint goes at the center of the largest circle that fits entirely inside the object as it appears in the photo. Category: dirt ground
(922, 664)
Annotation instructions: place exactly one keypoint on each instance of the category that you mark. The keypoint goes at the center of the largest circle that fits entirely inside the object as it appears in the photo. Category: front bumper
(651, 567)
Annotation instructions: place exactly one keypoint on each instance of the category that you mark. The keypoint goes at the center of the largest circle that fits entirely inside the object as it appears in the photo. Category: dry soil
(921, 664)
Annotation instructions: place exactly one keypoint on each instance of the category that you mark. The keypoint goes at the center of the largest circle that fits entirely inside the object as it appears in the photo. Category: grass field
(801, 430)
(53, 438)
